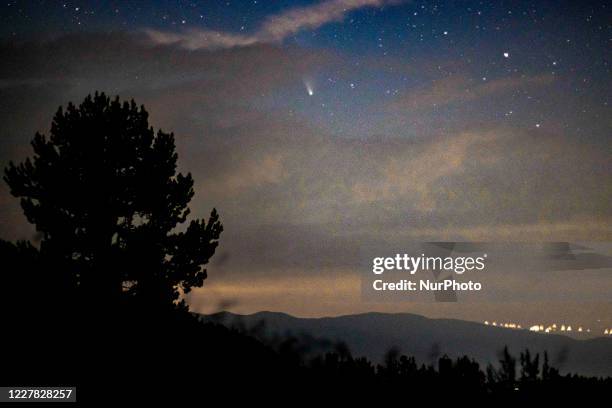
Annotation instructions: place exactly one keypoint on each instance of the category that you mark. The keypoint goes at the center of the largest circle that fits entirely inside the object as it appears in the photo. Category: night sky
(316, 126)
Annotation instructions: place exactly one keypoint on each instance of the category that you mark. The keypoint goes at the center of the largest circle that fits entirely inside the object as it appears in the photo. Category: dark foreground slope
(373, 334)
(135, 356)
(131, 358)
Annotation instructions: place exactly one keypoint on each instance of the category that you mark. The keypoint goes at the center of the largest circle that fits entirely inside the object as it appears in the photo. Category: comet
(309, 87)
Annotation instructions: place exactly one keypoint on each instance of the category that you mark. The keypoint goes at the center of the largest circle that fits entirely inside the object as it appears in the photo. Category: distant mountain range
(373, 334)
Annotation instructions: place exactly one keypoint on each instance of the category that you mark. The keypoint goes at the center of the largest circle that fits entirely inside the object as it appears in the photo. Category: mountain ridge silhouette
(372, 334)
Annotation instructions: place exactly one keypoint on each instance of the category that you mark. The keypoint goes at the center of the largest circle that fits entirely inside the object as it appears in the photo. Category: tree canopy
(111, 209)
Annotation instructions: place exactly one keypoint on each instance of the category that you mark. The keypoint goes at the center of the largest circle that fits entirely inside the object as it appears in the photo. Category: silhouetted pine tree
(507, 371)
(104, 194)
(530, 368)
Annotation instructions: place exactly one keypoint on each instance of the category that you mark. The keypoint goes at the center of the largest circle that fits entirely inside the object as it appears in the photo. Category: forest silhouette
(95, 300)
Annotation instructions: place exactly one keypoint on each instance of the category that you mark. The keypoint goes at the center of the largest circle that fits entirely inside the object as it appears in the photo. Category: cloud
(296, 201)
(292, 196)
(194, 39)
(458, 89)
(268, 169)
(416, 177)
(274, 29)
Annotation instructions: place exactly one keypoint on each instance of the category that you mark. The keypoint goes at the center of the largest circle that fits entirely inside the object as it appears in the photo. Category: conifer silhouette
(104, 194)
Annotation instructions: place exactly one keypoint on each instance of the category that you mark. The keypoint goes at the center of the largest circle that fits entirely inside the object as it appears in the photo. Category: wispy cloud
(458, 89)
(195, 39)
(280, 26)
(274, 28)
